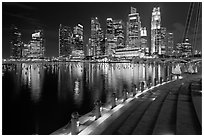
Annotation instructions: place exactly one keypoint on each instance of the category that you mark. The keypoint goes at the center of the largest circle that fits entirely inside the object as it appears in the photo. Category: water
(39, 98)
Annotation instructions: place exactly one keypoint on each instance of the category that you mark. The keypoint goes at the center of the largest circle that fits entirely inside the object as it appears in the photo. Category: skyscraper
(133, 29)
(143, 45)
(110, 42)
(37, 44)
(65, 41)
(163, 40)
(26, 50)
(170, 44)
(118, 28)
(114, 35)
(78, 38)
(156, 31)
(95, 36)
(16, 43)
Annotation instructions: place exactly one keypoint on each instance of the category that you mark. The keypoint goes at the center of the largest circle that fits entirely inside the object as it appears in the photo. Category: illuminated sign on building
(36, 35)
(143, 31)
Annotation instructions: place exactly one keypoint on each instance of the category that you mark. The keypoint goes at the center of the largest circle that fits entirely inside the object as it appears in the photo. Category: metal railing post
(74, 123)
(161, 80)
(155, 81)
(98, 109)
(134, 90)
(113, 100)
(142, 86)
(124, 95)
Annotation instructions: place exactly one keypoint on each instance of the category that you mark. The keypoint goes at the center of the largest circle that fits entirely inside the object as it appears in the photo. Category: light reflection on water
(55, 90)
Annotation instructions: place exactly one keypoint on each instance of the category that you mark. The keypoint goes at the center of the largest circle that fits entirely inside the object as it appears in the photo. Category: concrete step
(187, 122)
(131, 122)
(147, 122)
(166, 122)
(118, 122)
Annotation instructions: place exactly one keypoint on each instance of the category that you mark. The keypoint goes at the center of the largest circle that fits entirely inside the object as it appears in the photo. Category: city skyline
(30, 16)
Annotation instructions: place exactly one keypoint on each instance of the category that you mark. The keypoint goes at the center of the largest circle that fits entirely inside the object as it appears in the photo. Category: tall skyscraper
(65, 41)
(143, 45)
(37, 44)
(110, 41)
(186, 48)
(16, 43)
(133, 29)
(78, 38)
(101, 38)
(163, 36)
(118, 28)
(114, 35)
(156, 31)
(26, 50)
(95, 36)
(170, 44)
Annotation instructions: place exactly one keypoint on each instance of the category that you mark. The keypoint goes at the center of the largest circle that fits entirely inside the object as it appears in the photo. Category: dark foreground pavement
(170, 109)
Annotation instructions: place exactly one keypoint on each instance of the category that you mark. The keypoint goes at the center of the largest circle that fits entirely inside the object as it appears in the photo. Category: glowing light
(132, 18)
(78, 123)
(109, 19)
(80, 25)
(36, 35)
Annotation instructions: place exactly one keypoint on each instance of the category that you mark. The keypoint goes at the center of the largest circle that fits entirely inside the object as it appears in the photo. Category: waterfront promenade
(173, 108)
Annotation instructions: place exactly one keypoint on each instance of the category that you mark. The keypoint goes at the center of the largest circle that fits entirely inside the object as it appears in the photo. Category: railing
(144, 86)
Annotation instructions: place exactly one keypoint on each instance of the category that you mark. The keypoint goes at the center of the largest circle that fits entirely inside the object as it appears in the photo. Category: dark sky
(30, 16)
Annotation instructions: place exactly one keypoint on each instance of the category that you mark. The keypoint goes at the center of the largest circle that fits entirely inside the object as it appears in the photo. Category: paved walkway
(176, 110)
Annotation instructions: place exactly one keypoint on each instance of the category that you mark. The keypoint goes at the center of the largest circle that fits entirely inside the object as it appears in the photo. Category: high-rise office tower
(65, 41)
(78, 38)
(143, 45)
(133, 29)
(26, 50)
(118, 27)
(163, 36)
(186, 48)
(37, 44)
(170, 44)
(110, 41)
(95, 36)
(114, 35)
(16, 43)
(101, 38)
(156, 31)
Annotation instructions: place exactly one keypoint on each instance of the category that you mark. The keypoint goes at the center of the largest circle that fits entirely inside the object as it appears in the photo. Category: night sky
(30, 16)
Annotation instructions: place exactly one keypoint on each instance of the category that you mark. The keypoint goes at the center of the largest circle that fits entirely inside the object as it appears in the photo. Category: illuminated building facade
(89, 48)
(144, 47)
(26, 50)
(110, 40)
(101, 39)
(78, 38)
(118, 30)
(128, 52)
(65, 41)
(156, 31)
(95, 36)
(16, 43)
(37, 45)
(170, 44)
(185, 48)
(163, 37)
(133, 29)
(114, 35)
